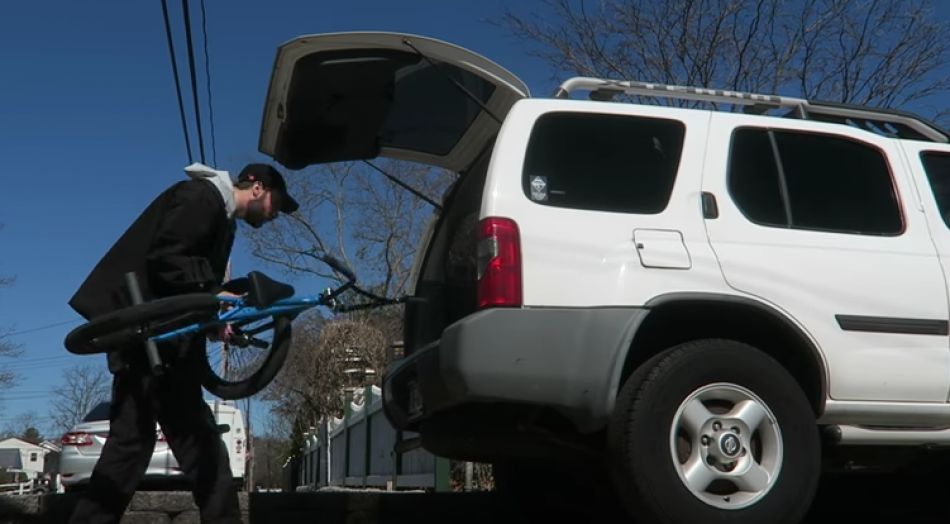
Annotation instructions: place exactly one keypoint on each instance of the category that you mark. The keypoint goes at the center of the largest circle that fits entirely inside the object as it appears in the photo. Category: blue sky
(90, 131)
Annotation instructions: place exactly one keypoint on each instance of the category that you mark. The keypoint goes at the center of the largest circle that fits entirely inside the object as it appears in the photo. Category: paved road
(884, 498)
(868, 499)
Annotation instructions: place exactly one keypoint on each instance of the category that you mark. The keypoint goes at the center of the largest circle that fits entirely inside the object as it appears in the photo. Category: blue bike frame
(239, 312)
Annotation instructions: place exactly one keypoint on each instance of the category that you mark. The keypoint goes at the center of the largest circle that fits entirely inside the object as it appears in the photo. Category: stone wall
(325, 507)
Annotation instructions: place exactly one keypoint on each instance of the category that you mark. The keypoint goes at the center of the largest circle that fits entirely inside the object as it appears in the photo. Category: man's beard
(254, 215)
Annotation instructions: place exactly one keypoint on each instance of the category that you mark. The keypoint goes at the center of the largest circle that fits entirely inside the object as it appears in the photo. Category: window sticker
(539, 188)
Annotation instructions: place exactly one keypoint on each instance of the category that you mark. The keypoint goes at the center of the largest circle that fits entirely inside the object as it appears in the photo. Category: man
(180, 244)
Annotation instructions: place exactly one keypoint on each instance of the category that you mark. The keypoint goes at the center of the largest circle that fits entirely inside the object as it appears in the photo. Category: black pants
(175, 401)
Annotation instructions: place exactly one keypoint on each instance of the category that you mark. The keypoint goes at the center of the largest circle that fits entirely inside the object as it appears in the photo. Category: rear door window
(937, 166)
(812, 181)
(603, 162)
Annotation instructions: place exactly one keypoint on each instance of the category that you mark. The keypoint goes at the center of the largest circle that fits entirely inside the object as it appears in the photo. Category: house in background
(32, 456)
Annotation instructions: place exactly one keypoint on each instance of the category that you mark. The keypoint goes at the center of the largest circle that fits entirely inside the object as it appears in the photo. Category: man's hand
(223, 334)
(225, 331)
(228, 294)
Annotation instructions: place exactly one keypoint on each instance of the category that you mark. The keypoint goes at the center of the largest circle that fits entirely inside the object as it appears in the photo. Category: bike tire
(231, 388)
(118, 328)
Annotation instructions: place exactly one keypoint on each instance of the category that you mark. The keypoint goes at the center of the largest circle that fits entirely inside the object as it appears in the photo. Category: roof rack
(887, 122)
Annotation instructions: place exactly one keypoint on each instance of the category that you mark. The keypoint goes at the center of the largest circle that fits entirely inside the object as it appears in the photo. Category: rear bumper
(567, 359)
(76, 469)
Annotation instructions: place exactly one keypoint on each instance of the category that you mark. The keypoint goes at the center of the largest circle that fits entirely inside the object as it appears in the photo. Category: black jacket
(179, 244)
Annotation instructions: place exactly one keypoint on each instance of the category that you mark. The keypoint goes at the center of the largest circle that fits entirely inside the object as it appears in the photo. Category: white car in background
(83, 444)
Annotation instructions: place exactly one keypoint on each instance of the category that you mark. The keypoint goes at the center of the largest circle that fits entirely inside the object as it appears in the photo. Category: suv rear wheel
(712, 428)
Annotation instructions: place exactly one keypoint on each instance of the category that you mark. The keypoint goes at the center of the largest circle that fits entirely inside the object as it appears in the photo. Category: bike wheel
(123, 326)
(239, 368)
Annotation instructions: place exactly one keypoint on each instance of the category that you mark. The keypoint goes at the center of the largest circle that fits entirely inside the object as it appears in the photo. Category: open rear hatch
(354, 96)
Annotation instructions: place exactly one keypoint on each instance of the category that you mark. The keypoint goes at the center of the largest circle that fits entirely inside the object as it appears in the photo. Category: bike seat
(261, 290)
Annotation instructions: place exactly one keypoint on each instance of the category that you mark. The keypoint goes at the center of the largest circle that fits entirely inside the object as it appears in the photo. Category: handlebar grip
(151, 350)
(339, 267)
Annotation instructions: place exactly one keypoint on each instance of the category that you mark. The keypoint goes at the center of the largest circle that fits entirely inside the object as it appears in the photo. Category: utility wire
(50, 365)
(21, 398)
(181, 104)
(41, 328)
(20, 360)
(194, 80)
(204, 31)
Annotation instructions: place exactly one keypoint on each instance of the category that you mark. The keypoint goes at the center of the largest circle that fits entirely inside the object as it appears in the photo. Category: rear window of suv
(603, 162)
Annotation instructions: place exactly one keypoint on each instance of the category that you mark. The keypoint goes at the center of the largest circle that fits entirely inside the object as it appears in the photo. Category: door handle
(710, 207)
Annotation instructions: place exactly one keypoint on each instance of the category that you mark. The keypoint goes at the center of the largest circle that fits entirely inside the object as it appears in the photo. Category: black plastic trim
(909, 326)
(669, 298)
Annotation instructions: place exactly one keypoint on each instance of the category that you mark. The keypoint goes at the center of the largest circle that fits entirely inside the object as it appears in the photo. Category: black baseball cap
(270, 179)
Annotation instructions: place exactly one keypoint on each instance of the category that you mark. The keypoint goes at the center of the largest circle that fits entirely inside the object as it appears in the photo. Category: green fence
(364, 450)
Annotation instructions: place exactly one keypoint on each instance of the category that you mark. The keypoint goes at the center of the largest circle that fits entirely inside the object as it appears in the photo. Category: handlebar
(328, 297)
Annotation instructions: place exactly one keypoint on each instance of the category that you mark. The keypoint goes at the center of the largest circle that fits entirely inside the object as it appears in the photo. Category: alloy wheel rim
(726, 446)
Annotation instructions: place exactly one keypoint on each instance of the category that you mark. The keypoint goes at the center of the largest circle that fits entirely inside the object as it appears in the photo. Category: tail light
(76, 439)
(499, 263)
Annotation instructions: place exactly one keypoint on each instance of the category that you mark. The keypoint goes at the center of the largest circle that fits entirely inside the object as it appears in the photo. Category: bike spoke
(246, 354)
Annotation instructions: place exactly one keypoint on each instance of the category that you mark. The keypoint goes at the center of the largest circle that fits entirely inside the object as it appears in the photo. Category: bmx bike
(260, 315)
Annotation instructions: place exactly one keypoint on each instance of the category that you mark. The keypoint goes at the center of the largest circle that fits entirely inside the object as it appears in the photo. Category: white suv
(685, 295)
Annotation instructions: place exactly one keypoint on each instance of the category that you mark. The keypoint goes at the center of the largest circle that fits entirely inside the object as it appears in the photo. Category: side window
(812, 181)
(937, 166)
(603, 162)
(754, 178)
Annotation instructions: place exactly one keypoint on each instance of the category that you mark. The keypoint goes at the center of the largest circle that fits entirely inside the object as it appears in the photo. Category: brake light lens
(76, 439)
(499, 263)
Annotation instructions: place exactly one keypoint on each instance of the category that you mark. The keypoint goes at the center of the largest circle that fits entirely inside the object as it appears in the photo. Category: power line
(19, 360)
(194, 81)
(41, 328)
(204, 31)
(20, 398)
(181, 104)
(47, 366)
(17, 417)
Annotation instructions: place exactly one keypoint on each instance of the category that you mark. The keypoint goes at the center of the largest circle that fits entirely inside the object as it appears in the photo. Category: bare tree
(83, 387)
(270, 453)
(8, 348)
(354, 213)
(327, 360)
(350, 211)
(24, 426)
(885, 53)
